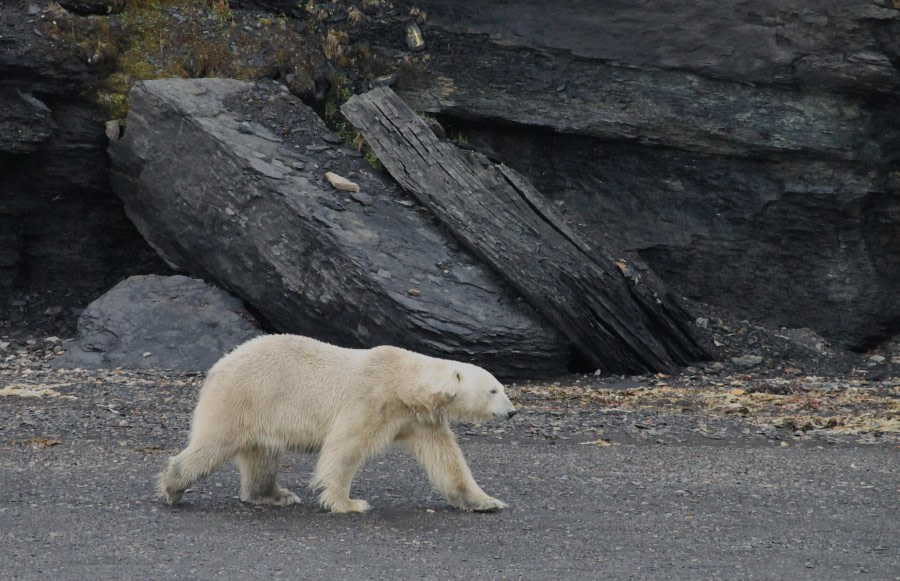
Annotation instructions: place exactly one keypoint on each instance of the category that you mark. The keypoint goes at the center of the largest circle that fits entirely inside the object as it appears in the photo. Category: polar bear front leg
(436, 450)
(341, 457)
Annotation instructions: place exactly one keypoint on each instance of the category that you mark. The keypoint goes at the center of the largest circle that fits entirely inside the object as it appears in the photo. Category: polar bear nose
(511, 414)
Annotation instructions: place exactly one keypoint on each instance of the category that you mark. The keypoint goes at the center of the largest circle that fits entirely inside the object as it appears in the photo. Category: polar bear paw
(171, 497)
(283, 497)
(348, 505)
(488, 504)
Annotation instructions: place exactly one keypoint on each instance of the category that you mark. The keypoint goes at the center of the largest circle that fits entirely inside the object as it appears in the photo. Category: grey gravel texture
(606, 479)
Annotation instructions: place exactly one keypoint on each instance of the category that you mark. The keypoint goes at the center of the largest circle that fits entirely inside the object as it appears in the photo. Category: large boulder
(169, 322)
(227, 181)
(746, 150)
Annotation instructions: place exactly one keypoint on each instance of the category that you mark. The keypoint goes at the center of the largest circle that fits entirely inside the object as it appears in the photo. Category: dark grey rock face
(64, 237)
(226, 180)
(168, 322)
(747, 150)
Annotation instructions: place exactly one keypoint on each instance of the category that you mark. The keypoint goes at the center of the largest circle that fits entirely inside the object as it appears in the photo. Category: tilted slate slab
(225, 180)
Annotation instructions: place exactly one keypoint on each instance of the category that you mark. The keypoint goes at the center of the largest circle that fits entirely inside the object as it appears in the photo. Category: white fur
(286, 392)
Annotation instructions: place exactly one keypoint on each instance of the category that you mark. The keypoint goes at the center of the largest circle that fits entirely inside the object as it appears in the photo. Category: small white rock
(114, 130)
(341, 183)
(147, 354)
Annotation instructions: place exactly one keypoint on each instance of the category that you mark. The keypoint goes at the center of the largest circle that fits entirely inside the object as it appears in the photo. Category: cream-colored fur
(286, 392)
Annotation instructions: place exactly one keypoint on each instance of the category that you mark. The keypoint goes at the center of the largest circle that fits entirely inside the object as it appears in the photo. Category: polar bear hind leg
(259, 472)
(193, 464)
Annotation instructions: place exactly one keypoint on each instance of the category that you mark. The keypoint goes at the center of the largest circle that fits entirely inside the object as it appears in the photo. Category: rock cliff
(747, 150)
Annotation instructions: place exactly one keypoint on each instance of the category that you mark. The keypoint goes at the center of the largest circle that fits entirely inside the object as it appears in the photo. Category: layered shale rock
(227, 181)
(747, 150)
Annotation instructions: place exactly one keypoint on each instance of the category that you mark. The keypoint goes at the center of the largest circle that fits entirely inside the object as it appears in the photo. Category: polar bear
(286, 392)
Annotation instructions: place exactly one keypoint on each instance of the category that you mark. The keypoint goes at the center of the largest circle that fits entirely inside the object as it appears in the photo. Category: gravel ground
(783, 468)
(718, 402)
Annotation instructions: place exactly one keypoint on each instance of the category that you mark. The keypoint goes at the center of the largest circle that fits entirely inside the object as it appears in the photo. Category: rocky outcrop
(621, 320)
(747, 150)
(172, 322)
(64, 237)
(227, 181)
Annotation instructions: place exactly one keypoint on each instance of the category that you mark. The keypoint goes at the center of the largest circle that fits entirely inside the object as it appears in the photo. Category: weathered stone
(619, 320)
(340, 182)
(414, 39)
(747, 360)
(172, 322)
(746, 150)
(281, 243)
(362, 198)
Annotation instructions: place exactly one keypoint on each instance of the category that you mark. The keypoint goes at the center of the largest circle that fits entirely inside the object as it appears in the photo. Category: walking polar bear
(285, 392)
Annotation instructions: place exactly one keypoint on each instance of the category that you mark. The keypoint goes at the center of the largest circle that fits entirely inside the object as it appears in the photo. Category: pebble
(747, 360)
(341, 183)
(362, 198)
(384, 81)
(414, 39)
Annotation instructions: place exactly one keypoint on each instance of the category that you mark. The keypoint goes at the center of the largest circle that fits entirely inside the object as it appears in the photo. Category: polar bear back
(281, 391)
(287, 391)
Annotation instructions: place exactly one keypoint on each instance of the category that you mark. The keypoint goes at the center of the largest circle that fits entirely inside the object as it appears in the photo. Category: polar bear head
(464, 391)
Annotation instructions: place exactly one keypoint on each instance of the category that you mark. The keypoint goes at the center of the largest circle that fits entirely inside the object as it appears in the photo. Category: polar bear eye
(494, 390)
(458, 376)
